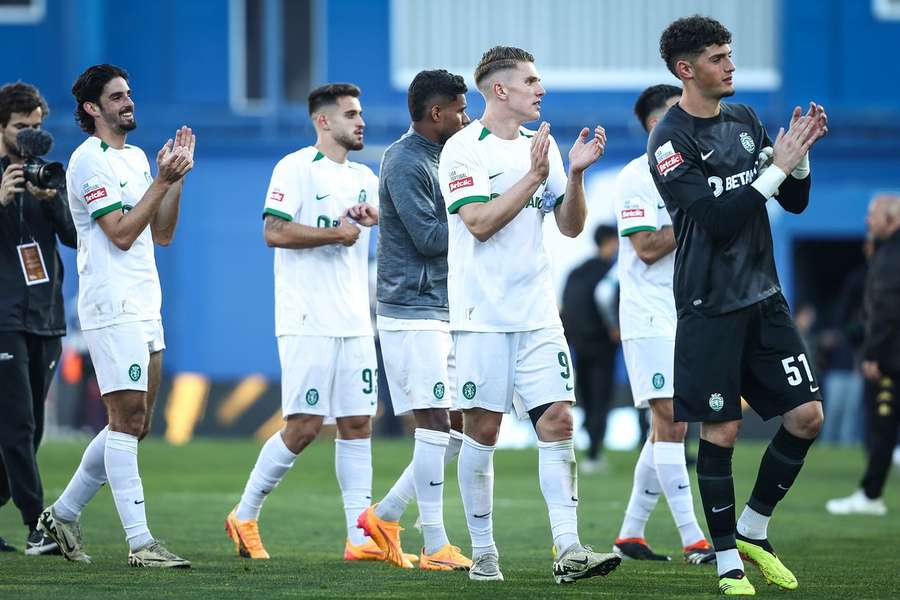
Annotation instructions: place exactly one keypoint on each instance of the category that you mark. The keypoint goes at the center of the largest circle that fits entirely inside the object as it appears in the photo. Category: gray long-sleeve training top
(412, 237)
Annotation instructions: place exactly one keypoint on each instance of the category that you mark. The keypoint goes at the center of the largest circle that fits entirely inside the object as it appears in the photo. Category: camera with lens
(34, 143)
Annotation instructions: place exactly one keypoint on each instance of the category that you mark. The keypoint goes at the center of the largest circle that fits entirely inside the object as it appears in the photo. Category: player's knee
(132, 423)
(354, 428)
(433, 419)
(670, 432)
(298, 433)
(483, 431)
(556, 423)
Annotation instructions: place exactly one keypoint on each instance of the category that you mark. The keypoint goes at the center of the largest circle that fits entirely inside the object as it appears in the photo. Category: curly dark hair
(652, 99)
(89, 87)
(328, 94)
(499, 58)
(20, 97)
(687, 37)
(428, 86)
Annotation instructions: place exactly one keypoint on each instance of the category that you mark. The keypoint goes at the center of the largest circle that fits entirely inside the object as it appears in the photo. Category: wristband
(801, 171)
(767, 183)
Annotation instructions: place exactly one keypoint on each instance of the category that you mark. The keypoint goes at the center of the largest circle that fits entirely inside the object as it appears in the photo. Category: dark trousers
(883, 421)
(27, 365)
(594, 390)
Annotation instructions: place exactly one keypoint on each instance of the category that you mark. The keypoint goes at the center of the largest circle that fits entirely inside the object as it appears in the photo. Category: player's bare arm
(280, 233)
(571, 214)
(163, 224)
(653, 245)
(487, 218)
(124, 228)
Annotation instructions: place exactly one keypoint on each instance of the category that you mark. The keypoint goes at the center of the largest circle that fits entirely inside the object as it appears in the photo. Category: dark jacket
(36, 309)
(882, 304)
(584, 325)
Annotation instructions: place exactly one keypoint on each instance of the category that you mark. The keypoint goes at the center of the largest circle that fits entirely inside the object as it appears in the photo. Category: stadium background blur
(238, 72)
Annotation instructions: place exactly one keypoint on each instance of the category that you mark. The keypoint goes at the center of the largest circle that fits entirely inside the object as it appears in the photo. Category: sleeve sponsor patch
(632, 213)
(669, 164)
(93, 190)
(276, 195)
(460, 178)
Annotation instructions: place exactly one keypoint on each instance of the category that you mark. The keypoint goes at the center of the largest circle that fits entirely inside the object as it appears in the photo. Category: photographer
(31, 307)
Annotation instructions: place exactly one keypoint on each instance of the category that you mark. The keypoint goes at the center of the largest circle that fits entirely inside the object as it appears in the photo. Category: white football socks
(274, 461)
(120, 456)
(87, 480)
(753, 525)
(728, 560)
(671, 468)
(559, 484)
(353, 466)
(453, 447)
(476, 485)
(428, 472)
(645, 493)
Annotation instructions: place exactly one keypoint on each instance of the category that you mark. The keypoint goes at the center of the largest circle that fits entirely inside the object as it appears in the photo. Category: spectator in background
(594, 338)
(840, 348)
(31, 309)
(881, 357)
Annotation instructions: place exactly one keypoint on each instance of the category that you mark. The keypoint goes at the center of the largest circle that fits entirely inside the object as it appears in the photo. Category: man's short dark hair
(499, 58)
(328, 94)
(652, 99)
(687, 37)
(428, 86)
(20, 97)
(603, 233)
(89, 87)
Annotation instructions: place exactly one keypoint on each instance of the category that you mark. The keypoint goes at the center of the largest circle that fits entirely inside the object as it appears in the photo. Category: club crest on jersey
(312, 397)
(134, 372)
(716, 402)
(747, 142)
(362, 196)
(460, 178)
(667, 159)
(439, 390)
(658, 381)
(469, 390)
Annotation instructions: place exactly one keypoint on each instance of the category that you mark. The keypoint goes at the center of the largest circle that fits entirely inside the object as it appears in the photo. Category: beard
(349, 141)
(11, 146)
(119, 125)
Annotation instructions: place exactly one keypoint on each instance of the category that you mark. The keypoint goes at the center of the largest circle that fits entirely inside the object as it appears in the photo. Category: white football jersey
(321, 291)
(115, 286)
(646, 301)
(505, 283)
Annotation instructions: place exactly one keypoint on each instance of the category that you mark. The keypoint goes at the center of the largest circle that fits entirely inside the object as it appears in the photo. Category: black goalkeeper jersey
(703, 169)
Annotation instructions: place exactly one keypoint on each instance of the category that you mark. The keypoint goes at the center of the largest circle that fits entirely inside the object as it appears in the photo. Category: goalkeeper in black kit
(715, 167)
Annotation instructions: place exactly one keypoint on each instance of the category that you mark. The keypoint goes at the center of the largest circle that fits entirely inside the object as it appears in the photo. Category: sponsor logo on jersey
(747, 142)
(93, 190)
(461, 183)
(732, 182)
(669, 164)
(632, 213)
(276, 195)
(716, 402)
(95, 195)
(460, 178)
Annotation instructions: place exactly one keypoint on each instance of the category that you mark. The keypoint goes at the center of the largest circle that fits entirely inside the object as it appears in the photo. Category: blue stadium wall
(217, 277)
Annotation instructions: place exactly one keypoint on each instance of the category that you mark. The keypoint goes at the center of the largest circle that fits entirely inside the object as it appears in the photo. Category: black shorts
(755, 353)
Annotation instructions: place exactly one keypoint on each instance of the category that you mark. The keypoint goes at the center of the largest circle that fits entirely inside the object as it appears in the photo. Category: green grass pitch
(190, 489)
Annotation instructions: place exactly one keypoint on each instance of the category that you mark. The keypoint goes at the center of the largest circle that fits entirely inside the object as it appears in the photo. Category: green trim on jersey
(523, 134)
(631, 230)
(559, 200)
(454, 208)
(277, 213)
(319, 156)
(106, 210)
(484, 133)
(104, 146)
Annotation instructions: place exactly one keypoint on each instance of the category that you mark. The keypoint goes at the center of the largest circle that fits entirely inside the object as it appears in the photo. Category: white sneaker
(581, 562)
(856, 503)
(66, 535)
(486, 568)
(154, 555)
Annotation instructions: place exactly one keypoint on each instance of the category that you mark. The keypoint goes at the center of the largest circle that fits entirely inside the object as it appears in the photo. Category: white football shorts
(328, 376)
(492, 369)
(651, 364)
(121, 353)
(418, 366)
